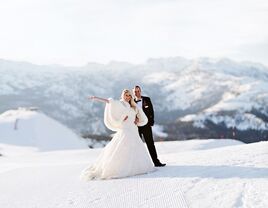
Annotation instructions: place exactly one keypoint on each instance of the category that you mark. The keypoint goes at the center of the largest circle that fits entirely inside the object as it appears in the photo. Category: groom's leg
(140, 132)
(148, 137)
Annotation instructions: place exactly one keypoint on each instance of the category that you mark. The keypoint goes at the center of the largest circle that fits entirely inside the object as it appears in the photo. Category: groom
(146, 131)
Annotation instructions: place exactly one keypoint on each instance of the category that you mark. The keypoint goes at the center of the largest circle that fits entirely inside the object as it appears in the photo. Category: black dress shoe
(159, 164)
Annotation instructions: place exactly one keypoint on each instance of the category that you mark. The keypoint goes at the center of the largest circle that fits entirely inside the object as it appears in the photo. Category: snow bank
(24, 127)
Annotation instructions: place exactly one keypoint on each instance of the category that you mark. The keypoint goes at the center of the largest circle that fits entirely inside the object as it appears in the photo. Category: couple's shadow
(219, 172)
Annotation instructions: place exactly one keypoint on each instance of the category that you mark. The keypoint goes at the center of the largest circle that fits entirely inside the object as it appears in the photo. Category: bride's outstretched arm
(98, 99)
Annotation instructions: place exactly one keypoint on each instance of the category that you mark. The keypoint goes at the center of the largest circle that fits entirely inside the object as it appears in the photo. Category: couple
(126, 154)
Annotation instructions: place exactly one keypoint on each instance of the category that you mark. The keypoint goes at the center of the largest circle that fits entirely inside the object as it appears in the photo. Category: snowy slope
(34, 129)
(199, 173)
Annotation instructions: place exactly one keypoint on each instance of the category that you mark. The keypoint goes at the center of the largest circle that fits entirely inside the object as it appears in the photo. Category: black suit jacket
(148, 109)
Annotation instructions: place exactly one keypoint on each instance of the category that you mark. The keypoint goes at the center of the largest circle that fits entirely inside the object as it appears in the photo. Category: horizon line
(132, 63)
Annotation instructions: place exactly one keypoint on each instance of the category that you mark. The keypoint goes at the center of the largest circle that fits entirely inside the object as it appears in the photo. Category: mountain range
(193, 98)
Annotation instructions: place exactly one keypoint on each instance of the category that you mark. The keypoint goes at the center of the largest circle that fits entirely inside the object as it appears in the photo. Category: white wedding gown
(126, 154)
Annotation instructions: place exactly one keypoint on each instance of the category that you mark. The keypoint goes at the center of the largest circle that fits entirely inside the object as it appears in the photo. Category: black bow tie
(138, 101)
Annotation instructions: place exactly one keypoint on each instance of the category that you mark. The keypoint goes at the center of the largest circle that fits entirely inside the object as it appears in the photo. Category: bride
(126, 154)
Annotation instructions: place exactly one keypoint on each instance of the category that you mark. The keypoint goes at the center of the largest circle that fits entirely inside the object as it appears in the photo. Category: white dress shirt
(140, 103)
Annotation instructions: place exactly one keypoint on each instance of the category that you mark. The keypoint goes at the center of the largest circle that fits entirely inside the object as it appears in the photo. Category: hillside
(35, 130)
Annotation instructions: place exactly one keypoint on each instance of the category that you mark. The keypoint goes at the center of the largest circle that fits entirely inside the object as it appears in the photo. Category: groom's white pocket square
(146, 106)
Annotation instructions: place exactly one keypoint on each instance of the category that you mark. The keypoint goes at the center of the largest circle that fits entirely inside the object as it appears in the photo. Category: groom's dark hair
(137, 86)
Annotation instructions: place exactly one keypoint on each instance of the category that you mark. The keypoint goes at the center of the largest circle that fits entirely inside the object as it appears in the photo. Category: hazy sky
(74, 32)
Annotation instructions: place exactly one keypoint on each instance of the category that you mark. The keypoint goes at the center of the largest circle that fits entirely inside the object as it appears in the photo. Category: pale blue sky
(74, 32)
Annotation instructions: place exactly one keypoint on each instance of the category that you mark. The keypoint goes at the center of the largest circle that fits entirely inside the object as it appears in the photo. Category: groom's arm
(151, 111)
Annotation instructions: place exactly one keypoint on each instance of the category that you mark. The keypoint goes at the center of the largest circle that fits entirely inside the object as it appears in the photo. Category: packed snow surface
(199, 173)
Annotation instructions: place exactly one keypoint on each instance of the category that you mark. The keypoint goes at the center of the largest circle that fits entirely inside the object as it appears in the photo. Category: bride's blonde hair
(131, 102)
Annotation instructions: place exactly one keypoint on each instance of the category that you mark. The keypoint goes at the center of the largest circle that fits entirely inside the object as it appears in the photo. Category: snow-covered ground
(199, 173)
(41, 161)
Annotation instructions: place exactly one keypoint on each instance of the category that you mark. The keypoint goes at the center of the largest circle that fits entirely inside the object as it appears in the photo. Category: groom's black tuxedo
(148, 109)
(146, 131)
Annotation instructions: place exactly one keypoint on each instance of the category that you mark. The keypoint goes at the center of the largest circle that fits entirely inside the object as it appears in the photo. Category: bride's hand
(98, 99)
(136, 121)
(92, 97)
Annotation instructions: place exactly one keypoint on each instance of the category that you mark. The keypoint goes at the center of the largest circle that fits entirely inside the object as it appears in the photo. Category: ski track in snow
(137, 191)
(224, 177)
